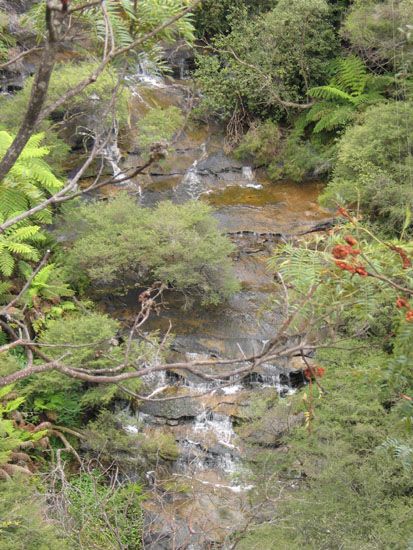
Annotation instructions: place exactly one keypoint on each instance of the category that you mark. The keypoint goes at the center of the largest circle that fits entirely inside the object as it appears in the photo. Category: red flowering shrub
(401, 303)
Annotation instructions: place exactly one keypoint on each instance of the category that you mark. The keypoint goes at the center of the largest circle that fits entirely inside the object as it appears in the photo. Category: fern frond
(6, 263)
(351, 75)
(335, 118)
(331, 93)
(25, 233)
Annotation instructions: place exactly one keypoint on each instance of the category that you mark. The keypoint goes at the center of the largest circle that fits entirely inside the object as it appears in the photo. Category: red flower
(360, 270)
(409, 316)
(315, 372)
(341, 251)
(343, 212)
(403, 255)
(345, 266)
(401, 303)
(350, 240)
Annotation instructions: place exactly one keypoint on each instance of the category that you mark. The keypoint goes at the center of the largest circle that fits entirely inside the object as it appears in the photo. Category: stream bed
(201, 498)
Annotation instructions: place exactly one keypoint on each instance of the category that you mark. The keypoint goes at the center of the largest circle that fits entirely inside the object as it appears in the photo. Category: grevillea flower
(403, 255)
(350, 240)
(345, 266)
(317, 372)
(361, 270)
(343, 212)
(401, 303)
(340, 251)
(409, 316)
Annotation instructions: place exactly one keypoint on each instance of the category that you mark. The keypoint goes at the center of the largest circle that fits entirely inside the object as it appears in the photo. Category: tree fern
(49, 284)
(30, 179)
(351, 88)
(350, 74)
(29, 182)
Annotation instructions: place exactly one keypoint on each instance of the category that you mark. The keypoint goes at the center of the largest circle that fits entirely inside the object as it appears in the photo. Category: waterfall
(112, 155)
(148, 73)
(192, 182)
(192, 185)
(247, 173)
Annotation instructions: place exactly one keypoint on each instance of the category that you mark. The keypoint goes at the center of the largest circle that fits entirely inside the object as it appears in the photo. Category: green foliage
(87, 336)
(374, 166)
(158, 125)
(214, 18)
(7, 40)
(87, 341)
(345, 485)
(104, 517)
(23, 522)
(261, 143)
(351, 89)
(121, 245)
(48, 284)
(276, 55)
(291, 158)
(129, 20)
(110, 441)
(12, 437)
(89, 109)
(29, 182)
(347, 303)
(375, 31)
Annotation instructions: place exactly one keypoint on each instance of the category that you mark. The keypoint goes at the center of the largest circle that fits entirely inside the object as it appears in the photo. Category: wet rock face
(185, 408)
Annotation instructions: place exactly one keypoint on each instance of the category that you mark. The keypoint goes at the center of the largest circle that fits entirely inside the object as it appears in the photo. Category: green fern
(400, 451)
(29, 181)
(49, 284)
(350, 89)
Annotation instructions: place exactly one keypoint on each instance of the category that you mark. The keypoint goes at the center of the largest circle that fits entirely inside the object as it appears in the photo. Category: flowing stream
(202, 418)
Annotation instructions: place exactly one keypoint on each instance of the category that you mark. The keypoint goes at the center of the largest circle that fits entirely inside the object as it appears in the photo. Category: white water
(192, 182)
(219, 424)
(148, 73)
(112, 155)
(247, 173)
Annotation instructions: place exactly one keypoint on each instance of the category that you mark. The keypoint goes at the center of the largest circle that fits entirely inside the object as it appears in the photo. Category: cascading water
(112, 155)
(248, 174)
(148, 73)
(193, 185)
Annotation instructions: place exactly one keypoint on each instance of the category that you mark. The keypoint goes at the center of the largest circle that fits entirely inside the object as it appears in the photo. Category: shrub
(87, 341)
(158, 125)
(374, 166)
(277, 54)
(342, 486)
(378, 31)
(23, 523)
(121, 245)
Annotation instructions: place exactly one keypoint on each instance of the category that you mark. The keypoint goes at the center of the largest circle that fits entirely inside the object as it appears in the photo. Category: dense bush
(345, 485)
(158, 125)
(85, 341)
(217, 17)
(121, 245)
(23, 522)
(88, 111)
(374, 166)
(379, 32)
(276, 55)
